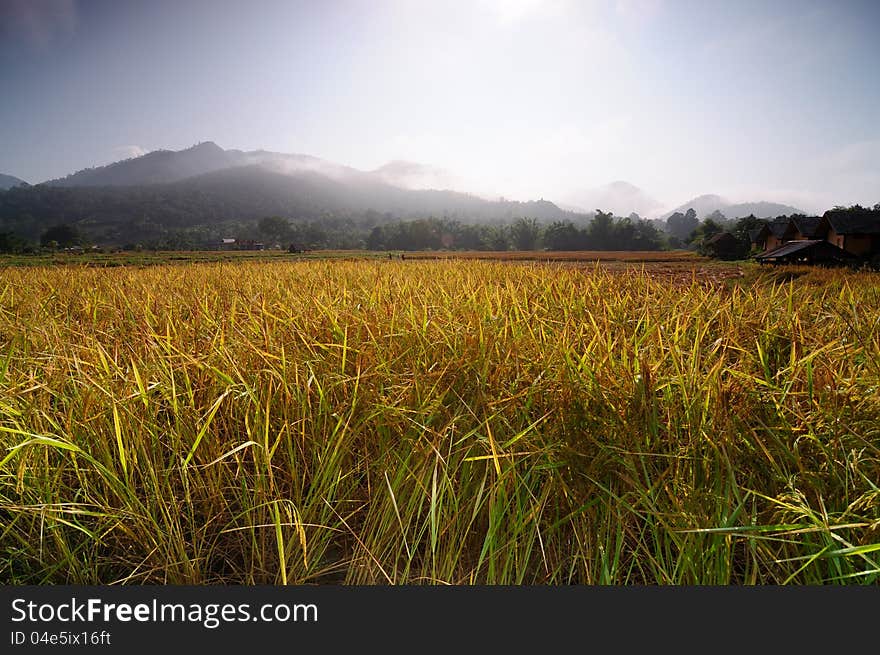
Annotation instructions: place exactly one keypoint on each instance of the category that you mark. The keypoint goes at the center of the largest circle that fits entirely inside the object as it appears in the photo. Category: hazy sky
(526, 98)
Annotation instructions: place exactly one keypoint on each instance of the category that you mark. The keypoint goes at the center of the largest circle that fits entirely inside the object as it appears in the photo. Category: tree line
(603, 232)
(184, 218)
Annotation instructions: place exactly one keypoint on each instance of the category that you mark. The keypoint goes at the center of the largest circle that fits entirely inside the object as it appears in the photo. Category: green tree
(707, 229)
(563, 235)
(681, 225)
(741, 231)
(647, 236)
(275, 229)
(525, 233)
(9, 242)
(64, 234)
(601, 231)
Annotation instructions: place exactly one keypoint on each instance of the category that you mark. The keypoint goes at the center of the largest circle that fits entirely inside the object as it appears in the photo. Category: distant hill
(8, 181)
(621, 198)
(168, 166)
(241, 185)
(760, 210)
(706, 204)
(157, 167)
(234, 199)
(204, 190)
(703, 205)
(261, 189)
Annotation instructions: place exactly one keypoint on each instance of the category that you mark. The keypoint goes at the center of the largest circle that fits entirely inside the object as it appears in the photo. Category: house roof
(806, 225)
(778, 226)
(756, 233)
(806, 246)
(720, 238)
(860, 223)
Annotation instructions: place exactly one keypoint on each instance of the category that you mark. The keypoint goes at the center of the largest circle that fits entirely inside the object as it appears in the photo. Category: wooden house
(800, 228)
(856, 231)
(723, 245)
(771, 235)
(839, 236)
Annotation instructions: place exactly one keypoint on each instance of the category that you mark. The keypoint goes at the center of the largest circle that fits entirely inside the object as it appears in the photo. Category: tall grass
(437, 422)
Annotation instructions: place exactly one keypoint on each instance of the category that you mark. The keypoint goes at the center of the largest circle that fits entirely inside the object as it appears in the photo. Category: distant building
(857, 232)
(771, 235)
(839, 236)
(806, 251)
(241, 244)
(800, 228)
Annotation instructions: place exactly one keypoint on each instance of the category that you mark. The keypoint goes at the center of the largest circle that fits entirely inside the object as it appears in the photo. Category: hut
(723, 245)
(857, 231)
(806, 251)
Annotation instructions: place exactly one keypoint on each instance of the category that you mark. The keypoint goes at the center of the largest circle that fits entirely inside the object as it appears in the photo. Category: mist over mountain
(157, 167)
(413, 175)
(379, 189)
(196, 195)
(261, 182)
(760, 209)
(166, 166)
(259, 190)
(702, 205)
(9, 181)
(707, 204)
(620, 198)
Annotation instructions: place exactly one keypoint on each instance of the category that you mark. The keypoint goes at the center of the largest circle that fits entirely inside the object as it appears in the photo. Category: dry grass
(437, 422)
(563, 255)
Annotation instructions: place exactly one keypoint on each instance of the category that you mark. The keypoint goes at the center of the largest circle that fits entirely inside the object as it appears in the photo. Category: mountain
(8, 181)
(706, 204)
(167, 166)
(703, 205)
(294, 164)
(236, 184)
(259, 190)
(620, 198)
(157, 167)
(761, 209)
(198, 210)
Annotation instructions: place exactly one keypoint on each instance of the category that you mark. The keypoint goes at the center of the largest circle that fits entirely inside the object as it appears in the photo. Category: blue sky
(525, 98)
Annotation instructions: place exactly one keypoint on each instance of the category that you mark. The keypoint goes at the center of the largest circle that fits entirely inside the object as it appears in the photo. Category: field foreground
(438, 422)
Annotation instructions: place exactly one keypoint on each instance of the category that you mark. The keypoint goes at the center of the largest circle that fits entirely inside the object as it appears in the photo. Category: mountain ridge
(9, 181)
(708, 203)
(165, 166)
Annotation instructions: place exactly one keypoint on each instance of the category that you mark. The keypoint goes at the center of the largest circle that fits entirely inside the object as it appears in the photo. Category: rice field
(438, 422)
(96, 259)
(630, 256)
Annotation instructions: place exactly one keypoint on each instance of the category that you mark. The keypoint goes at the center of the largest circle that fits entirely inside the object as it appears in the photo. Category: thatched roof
(806, 225)
(853, 221)
(778, 226)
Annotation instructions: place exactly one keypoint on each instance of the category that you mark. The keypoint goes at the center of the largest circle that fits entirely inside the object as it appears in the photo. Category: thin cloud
(129, 152)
